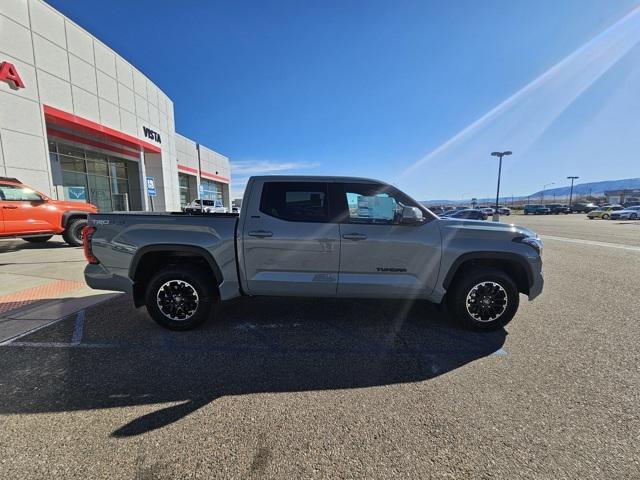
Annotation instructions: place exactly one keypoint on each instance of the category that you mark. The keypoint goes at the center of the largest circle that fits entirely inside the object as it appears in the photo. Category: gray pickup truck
(314, 236)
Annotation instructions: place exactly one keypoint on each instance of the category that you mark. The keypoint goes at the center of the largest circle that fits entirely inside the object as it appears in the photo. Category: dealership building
(79, 122)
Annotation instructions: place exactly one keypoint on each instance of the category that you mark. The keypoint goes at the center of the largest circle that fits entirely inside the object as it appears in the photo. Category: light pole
(496, 215)
(571, 191)
(544, 187)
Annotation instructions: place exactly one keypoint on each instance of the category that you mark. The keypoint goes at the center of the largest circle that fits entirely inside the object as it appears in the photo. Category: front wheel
(73, 233)
(180, 297)
(633, 216)
(484, 299)
(605, 217)
(39, 239)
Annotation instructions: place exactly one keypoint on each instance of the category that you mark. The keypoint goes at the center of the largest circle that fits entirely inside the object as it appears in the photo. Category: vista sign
(9, 74)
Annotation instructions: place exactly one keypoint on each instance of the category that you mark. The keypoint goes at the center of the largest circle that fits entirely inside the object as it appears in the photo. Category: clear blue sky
(374, 88)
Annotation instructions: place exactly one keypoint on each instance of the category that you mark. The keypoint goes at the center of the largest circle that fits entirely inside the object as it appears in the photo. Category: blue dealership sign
(77, 193)
(151, 186)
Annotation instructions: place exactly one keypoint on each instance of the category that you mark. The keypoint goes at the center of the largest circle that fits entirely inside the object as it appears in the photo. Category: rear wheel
(73, 233)
(39, 239)
(484, 299)
(605, 217)
(181, 298)
(633, 216)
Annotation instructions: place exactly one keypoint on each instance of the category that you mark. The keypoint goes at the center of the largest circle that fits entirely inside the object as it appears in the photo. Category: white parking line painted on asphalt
(78, 328)
(621, 246)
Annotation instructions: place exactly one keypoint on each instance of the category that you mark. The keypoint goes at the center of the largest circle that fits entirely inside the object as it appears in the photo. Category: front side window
(375, 204)
(295, 201)
(14, 193)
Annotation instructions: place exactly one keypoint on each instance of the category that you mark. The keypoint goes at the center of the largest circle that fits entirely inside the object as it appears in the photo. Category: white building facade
(78, 122)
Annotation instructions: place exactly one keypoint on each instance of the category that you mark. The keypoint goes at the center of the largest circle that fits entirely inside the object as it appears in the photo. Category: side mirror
(411, 215)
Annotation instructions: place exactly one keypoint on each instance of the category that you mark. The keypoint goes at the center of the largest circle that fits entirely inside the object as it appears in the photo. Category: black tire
(605, 217)
(633, 216)
(73, 233)
(492, 284)
(39, 239)
(180, 281)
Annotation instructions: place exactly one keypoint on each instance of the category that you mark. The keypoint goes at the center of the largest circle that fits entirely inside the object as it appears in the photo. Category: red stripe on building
(204, 174)
(86, 141)
(78, 123)
(188, 169)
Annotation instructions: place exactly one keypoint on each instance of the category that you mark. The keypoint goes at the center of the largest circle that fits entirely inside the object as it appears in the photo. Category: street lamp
(544, 187)
(496, 215)
(571, 191)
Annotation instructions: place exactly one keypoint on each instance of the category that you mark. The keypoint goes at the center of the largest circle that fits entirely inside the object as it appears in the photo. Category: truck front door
(24, 210)
(289, 245)
(382, 257)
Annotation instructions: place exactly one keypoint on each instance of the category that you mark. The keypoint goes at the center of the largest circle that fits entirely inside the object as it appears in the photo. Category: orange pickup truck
(34, 217)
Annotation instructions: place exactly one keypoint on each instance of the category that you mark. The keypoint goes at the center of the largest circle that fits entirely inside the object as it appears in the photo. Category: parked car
(34, 217)
(604, 212)
(488, 210)
(469, 214)
(557, 208)
(536, 210)
(504, 211)
(314, 236)
(205, 206)
(629, 213)
(580, 207)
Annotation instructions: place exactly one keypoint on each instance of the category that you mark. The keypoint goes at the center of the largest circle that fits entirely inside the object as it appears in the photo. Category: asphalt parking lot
(310, 388)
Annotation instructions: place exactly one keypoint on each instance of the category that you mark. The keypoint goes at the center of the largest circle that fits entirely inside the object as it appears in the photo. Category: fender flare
(69, 214)
(508, 256)
(169, 247)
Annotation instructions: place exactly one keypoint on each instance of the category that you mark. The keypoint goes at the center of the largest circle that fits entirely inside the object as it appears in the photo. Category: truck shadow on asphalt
(256, 346)
(16, 245)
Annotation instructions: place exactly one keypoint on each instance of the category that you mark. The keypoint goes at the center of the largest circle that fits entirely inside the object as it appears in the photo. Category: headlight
(533, 242)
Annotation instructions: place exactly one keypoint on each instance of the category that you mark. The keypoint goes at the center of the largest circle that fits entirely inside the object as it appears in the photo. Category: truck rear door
(289, 245)
(381, 257)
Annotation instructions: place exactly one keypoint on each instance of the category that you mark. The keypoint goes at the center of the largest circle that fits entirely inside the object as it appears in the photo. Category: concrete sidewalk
(41, 283)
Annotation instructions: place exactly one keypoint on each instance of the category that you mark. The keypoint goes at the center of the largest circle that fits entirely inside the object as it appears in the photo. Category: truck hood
(77, 206)
(509, 229)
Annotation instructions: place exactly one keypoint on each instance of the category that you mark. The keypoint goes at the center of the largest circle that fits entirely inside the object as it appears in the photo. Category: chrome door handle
(354, 236)
(260, 234)
(11, 207)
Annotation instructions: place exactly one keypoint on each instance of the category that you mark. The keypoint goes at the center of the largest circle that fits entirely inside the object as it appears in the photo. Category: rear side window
(295, 201)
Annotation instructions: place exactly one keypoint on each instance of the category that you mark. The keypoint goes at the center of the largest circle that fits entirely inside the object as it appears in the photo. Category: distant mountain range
(592, 188)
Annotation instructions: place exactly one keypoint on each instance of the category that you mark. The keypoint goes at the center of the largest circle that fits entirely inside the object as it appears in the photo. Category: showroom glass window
(93, 177)
(295, 201)
(211, 190)
(183, 183)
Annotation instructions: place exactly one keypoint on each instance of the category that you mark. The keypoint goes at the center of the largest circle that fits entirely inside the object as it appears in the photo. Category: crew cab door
(380, 256)
(23, 210)
(289, 245)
